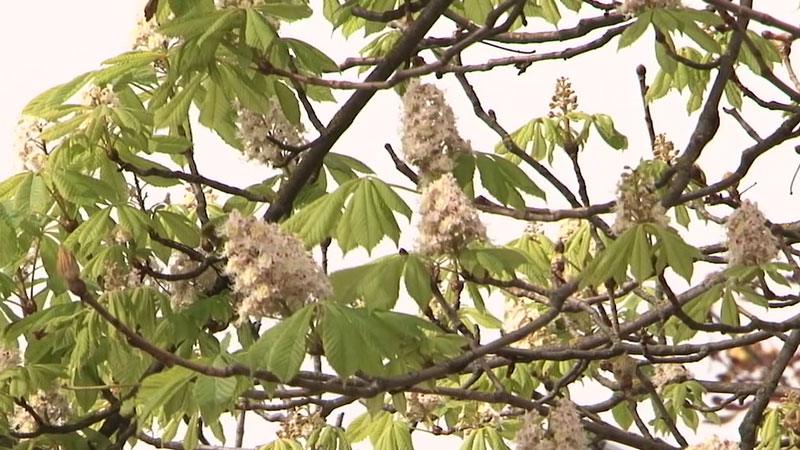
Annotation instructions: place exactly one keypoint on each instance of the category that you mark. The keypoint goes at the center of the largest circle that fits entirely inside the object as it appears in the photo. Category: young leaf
(258, 32)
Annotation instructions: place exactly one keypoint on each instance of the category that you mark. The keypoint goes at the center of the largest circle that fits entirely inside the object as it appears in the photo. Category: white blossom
(449, 220)
(184, 292)
(52, 407)
(532, 435)
(255, 131)
(270, 268)
(565, 425)
(146, 37)
(429, 135)
(517, 314)
(663, 149)
(421, 406)
(665, 374)
(97, 96)
(636, 204)
(750, 241)
(9, 358)
(30, 148)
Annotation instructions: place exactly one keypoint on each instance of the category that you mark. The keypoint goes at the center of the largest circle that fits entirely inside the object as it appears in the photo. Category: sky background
(47, 42)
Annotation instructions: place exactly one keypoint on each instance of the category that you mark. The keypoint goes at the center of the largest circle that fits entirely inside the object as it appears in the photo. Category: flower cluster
(715, 443)
(97, 96)
(9, 358)
(421, 406)
(299, 424)
(30, 148)
(52, 407)
(665, 374)
(564, 100)
(516, 316)
(565, 430)
(565, 424)
(117, 277)
(184, 292)
(532, 436)
(146, 37)
(258, 133)
(636, 204)
(749, 239)
(429, 136)
(632, 8)
(270, 268)
(190, 198)
(449, 221)
(663, 149)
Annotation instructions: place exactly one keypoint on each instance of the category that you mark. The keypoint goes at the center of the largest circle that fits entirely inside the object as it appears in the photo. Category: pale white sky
(46, 42)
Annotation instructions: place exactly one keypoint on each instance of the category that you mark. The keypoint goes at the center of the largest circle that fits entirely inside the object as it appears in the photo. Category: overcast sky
(46, 42)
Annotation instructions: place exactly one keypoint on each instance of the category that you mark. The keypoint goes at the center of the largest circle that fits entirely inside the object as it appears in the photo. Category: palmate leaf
(505, 181)
(377, 283)
(341, 334)
(282, 348)
(369, 216)
(214, 394)
(258, 32)
(175, 112)
(317, 221)
(56, 96)
(157, 389)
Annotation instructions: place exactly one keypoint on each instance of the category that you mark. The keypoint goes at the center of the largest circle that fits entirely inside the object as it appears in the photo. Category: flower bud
(67, 266)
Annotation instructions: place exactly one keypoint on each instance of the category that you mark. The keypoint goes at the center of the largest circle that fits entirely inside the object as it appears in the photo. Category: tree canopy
(474, 293)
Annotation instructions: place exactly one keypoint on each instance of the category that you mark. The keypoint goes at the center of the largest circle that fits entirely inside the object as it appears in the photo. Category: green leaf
(180, 227)
(157, 389)
(133, 221)
(678, 254)
(230, 19)
(369, 217)
(258, 32)
(380, 289)
(605, 126)
(730, 312)
(418, 281)
(311, 57)
(214, 395)
(55, 96)
(317, 221)
(622, 415)
(192, 25)
(611, 262)
(635, 31)
(641, 257)
(216, 105)
(282, 348)
(665, 61)
(477, 10)
(733, 95)
(81, 189)
(339, 341)
(360, 428)
(32, 196)
(169, 144)
(286, 11)
(289, 105)
(550, 11)
(700, 37)
(175, 112)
